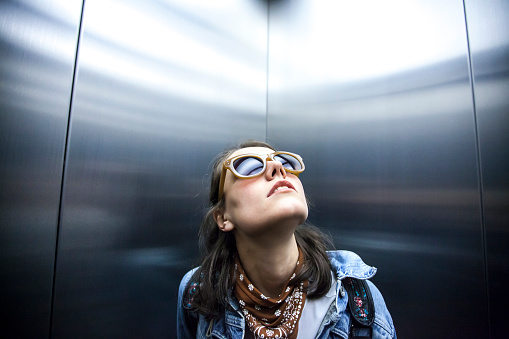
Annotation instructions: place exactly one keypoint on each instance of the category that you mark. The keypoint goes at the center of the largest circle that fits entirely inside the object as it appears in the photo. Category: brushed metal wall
(162, 87)
(383, 89)
(488, 28)
(37, 53)
(417, 127)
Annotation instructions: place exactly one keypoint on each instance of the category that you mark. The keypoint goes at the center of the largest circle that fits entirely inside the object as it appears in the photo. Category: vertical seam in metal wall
(267, 77)
(479, 172)
(66, 147)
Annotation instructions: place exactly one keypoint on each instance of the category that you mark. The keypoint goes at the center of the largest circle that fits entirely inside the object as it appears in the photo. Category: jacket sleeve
(383, 320)
(183, 332)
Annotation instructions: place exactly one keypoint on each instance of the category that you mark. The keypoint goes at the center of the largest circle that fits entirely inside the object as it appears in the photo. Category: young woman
(265, 274)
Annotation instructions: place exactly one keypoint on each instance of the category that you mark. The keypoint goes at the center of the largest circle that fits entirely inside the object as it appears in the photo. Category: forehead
(255, 150)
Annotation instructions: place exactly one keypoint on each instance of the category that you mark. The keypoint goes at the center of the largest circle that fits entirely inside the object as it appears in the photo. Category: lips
(279, 184)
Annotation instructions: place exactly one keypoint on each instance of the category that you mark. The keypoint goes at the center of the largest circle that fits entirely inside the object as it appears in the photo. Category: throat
(270, 271)
(272, 284)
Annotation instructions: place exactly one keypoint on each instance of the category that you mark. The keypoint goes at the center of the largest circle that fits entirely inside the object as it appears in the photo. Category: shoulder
(187, 287)
(185, 280)
(383, 320)
(184, 317)
(349, 264)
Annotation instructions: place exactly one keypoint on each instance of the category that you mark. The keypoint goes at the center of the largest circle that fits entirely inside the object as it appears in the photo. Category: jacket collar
(348, 264)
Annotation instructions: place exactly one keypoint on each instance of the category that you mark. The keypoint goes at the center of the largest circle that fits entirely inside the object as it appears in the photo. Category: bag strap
(362, 307)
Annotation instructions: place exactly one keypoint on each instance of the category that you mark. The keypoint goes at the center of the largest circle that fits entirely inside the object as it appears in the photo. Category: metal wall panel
(376, 97)
(162, 87)
(37, 52)
(488, 28)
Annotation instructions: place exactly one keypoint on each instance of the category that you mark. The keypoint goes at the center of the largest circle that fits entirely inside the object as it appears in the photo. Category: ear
(222, 221)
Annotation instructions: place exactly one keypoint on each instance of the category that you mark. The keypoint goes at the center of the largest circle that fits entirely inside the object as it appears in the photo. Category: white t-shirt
(313, 313)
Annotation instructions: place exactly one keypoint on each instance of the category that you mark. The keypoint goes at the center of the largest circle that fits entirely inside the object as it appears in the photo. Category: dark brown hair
(214, 277)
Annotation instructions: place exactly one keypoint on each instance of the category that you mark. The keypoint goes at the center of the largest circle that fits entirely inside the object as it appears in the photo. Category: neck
(269, 265)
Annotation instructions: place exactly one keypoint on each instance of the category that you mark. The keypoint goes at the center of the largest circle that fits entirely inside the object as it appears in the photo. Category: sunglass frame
(228, 165)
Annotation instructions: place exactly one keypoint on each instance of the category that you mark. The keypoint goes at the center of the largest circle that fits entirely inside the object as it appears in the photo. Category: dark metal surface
(488, 28)
(386, 94)
(162, 87)
(37, 52)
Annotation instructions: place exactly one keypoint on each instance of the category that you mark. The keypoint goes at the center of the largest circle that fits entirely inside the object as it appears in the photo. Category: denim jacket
(336, 323)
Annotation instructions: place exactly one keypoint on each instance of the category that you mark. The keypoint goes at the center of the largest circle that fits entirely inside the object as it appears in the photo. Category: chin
(299, 212)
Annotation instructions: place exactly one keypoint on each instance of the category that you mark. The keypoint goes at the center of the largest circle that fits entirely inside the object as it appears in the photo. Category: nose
(274, 168)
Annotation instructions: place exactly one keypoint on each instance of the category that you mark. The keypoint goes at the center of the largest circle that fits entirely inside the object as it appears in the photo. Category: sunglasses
(248, 166)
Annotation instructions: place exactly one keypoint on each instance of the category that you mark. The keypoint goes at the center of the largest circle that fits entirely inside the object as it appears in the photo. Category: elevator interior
(111, 111)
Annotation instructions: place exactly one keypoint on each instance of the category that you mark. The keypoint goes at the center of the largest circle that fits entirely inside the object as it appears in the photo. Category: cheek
(241, 189)
(241, 196)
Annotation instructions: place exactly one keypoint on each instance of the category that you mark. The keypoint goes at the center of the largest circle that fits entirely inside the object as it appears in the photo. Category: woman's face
(270, 201)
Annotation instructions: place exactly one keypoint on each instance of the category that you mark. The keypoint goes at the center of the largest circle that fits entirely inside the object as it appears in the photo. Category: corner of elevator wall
(479, 173)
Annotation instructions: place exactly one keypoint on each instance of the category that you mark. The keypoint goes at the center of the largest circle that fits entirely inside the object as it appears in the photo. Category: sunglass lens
(289, 161)
(248, 166)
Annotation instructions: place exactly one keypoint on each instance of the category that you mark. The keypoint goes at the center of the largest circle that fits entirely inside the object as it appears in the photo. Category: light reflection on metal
(185, 61)
(43, 27)
(348, 42)
(37, 53)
